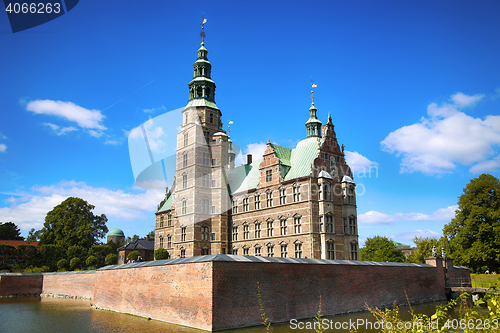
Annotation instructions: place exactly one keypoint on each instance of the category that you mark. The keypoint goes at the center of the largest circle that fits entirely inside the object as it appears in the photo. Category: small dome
(347, 179)
(116, 232)
(324, 174)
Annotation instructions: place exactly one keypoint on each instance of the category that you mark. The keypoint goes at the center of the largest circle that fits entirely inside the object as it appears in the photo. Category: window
(185, 118)
(354, 251)
(329, 223)
(169, 242)
(320, 192)
(284, 251)
(235, 206)
(326, 192)
(298, 250)
(161, 241)
(184, 180)
(206, 159)
(205, 180)
(270, 229)
(183, 253)
(269, 198)
(214, 184)
(213, 209)
(257, 230)
(186, 140)
(269, 175)
(169, 220)
(205, 252)
(257, 201)
(282, 196)
(297, 224)
(184, 206)
(246, 231)
(214, 161)
(258, 251)
(183, 234)
(206, 134)
(321, 224)
(345, 226)
(352, 226)
(161, 221)
(296, 193)
(330, 251)
(235, 251)
(184, 160)
(205, 233)
(283, 226)
(245, 204)
(205, 206)
(246, 251)
(211, 120)
(270, 250)
(235, 233)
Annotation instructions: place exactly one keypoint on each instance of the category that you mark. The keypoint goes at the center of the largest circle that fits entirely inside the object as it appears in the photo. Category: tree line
(471, 238)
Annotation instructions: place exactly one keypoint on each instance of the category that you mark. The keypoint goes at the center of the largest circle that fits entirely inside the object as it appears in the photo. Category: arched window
(184, 206)
(184, 180)
(184, 159)
(186, 140)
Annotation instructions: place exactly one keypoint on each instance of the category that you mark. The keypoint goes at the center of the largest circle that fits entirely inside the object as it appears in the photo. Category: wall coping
(48, 273)
(257, 259)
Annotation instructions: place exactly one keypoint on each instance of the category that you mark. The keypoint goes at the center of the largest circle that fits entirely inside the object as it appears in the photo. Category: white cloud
(118, 204)
(112, 142)
(359, 164)
(155, 135)
(152, 110)
(88, 119)
(256, 150)
(62, 130)
(374, 217)
(410, 235)
(3, 148)
(435, 145)
(486, 166)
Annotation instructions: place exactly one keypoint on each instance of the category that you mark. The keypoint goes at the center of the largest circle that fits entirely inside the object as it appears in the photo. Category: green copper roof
(201, 102)
(167, 205)
(116, 232)
(299, 160)
(283, 154)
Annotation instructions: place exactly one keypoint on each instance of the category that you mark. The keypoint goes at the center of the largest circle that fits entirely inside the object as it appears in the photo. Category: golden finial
(312, 90)
(202, 33)
(229, 126)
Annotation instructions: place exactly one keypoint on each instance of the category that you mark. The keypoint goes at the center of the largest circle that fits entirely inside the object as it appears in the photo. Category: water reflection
(35, 314)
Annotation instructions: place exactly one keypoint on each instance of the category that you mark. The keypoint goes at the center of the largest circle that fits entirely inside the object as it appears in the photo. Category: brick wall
(179, 293)
(293, 290)
(74, 284)
(20, 284)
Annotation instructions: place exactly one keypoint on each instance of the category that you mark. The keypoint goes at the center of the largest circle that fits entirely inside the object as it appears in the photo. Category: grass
(483, 280)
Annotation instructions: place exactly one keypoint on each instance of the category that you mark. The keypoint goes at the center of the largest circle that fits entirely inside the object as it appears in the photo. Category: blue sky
(413, 88)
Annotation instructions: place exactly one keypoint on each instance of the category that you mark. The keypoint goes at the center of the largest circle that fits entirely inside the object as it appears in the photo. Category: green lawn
(483, 280)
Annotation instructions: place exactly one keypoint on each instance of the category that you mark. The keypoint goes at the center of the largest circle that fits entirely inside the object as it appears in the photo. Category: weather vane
(312, 89)
(229, 126)
(202, 33)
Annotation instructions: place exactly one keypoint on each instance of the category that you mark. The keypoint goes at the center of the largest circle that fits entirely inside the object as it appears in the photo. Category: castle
(297, 203)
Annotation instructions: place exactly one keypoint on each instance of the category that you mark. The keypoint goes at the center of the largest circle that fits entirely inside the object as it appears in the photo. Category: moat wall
(219, 292)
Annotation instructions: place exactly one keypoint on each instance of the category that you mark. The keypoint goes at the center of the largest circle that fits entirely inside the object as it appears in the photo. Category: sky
(413, 88)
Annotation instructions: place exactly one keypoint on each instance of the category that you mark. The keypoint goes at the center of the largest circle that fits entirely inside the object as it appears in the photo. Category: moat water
(35, 314)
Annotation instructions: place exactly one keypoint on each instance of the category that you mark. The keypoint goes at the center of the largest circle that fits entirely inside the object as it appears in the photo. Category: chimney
(249, 159)
(147, 238)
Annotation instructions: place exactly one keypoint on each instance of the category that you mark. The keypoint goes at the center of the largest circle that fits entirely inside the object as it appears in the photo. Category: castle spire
(202, 86)
(313, 125)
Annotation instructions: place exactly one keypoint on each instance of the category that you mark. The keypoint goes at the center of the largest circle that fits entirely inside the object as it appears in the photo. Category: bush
(91, 262)
(100, 252)
(62, 264)
(111, 259)
(133, 255)
(161, 254)
(51, 254)
(75, 263)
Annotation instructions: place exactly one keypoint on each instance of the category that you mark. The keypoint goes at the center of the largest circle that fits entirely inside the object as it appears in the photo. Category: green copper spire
(313, 125)
(202, 86)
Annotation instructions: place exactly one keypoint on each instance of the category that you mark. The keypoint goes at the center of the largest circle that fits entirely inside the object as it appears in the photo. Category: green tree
(10, 231)
(77, 251)
(7, 256)
(33, 236)
(51, 254)
(73, 223)
(27, 255)
(474, 232)
(133, 239)
(75, 263)
(133, 255)
(151, 235)
(379, 248)
(100, 252)
(111, 259)
(161, 254)
(62, 264)
(91, 262)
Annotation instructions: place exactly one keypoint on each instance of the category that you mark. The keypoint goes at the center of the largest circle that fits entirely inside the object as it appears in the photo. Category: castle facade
(297, 203)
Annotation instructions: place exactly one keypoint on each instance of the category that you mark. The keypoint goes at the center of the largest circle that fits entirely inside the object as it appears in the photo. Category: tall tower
(313, 124)
(201, 196)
